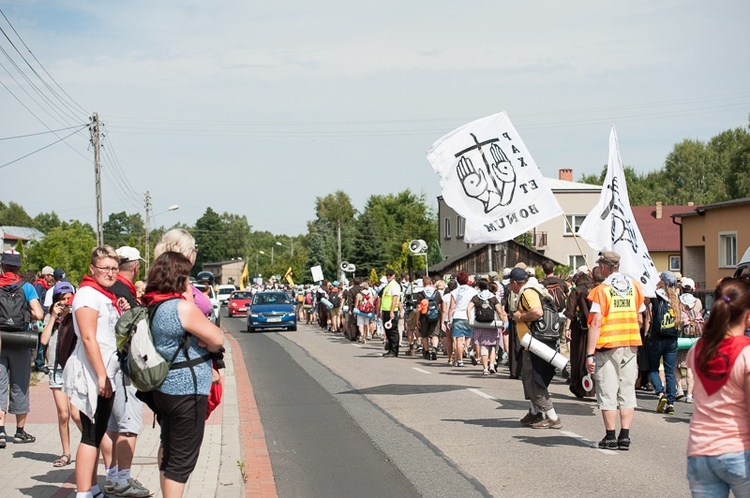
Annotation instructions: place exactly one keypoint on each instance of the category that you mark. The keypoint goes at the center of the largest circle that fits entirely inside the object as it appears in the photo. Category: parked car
(223, 292)
(239, 302)
(215, 316)
(743, 268)
(271, 309)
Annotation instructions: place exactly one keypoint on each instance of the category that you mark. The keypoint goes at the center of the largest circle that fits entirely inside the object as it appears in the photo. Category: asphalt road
(342, 421)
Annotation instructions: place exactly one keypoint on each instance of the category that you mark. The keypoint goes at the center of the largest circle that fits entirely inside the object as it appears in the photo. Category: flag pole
(575, 238)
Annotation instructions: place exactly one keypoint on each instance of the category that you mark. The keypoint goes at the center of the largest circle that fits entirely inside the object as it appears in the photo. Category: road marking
(356, 345)
(421, 370)
(588, 442)
(480, 393)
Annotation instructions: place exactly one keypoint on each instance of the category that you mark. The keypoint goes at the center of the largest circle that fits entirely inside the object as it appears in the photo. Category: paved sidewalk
(233, 447)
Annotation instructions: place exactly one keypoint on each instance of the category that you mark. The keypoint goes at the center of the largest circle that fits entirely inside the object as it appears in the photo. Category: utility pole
(148, 229)
(94, 127)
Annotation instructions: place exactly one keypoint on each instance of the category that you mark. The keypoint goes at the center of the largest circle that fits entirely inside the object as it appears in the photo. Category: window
(576, 260)
(460, 222)
(727, 249)
(573, 220)
(675, 263)
(447, 229)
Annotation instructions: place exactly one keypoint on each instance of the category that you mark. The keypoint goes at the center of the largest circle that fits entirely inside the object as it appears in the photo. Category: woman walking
(718, 452)
(577, 331)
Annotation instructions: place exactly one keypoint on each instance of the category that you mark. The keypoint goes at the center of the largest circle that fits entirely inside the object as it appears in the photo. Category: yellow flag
(243, 277)
(288, 276)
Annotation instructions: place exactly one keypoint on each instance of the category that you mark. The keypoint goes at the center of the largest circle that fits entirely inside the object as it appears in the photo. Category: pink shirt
(720, 422)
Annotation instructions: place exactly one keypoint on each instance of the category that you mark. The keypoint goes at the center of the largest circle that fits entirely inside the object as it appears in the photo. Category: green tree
(337, 210)
(122, 228)
(68, 247)
(209, 237)
(14, 215)
(44, 222)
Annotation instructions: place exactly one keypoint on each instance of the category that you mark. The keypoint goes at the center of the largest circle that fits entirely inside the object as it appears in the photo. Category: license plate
(274, 319)
(242, 309)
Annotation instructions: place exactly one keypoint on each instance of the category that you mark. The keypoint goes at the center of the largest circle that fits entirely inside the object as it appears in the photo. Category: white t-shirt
(88, 297)
(462, 296)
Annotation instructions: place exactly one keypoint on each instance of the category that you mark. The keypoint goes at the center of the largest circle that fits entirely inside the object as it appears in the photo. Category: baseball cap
(506, 272)
(582, 269)
(519, 275)
(47, 270)
(127, 254)
(608, 258)
(492, 274)
(668, 278)
(62, 288)
(12, 258)
(59, 274)
(688, 282)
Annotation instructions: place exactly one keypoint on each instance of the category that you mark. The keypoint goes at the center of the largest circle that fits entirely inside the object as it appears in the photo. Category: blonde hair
(103, 252)
(175, 240)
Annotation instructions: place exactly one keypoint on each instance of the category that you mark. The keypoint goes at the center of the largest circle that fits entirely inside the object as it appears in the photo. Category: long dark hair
(731, 302)
(169, 273)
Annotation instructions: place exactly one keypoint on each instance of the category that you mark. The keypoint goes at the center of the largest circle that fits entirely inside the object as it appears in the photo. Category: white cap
(687, 282)
(127, 253)
(582, 269)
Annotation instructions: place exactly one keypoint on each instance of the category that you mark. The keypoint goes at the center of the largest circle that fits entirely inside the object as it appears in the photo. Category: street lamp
(173, 207)
(256, 260)
(272, 248)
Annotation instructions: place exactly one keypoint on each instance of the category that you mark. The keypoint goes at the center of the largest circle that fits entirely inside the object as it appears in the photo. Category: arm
(37, 313)
(470, 309)
(195, 322)
(594, 331)
(501, 312)
(528, 316)
(87, 318)
(50, 327)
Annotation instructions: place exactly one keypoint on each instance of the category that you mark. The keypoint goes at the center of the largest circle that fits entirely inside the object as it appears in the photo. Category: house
(10, 236)
(712, 237)
(552, 239)
(661, 234)
(226, 272)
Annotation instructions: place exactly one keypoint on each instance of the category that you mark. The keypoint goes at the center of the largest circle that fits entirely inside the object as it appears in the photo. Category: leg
(670, 358)
(610, 419)
(63, 418)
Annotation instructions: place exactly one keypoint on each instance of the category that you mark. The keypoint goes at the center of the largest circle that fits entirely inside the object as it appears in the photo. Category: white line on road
(480, 393)
(587, 442)
(421, 370)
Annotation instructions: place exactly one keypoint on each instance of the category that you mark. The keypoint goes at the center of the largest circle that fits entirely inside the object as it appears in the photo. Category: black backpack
(547, 327)
(484, 313)
(336, 300)
(14, 310)
(557, 291)
(663, 319)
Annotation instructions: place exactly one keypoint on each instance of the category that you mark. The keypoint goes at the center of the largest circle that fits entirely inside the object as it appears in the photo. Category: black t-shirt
(119, 289)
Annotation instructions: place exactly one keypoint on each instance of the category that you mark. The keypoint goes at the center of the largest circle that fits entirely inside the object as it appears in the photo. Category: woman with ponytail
(719, 444)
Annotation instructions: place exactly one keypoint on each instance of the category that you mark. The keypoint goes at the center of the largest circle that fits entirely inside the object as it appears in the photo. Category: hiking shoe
(23, 437)
(530, 419)
(623, 443)
(548, 423)
(661, 404)
(473, 359)
(132, 488)
(679, 395)
(608, 444)
(109, 486)
(669, 410)
(433, 355)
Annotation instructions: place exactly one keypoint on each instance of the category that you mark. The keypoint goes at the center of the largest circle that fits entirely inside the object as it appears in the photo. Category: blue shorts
(460, 328)
(55, 378)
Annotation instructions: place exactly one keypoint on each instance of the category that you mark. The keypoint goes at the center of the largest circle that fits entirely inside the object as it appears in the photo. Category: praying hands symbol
(499, 190)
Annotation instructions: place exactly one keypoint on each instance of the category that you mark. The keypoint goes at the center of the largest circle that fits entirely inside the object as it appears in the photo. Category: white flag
(610, 226)
(488, 176)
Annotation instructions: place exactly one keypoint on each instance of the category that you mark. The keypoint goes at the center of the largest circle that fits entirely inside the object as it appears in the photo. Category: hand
(567, 334)
(473, 181)
(503, 174)
(105, 387)
(216, 377)
(57, 309)
(123, 304)
(590, 365)
(517, 316)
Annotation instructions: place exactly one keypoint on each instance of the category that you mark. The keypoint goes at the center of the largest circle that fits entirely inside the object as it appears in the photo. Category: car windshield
(225, 291)
(241, 295)
(272, 298)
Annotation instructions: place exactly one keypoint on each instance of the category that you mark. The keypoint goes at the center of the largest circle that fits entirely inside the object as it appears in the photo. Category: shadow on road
(406, 389)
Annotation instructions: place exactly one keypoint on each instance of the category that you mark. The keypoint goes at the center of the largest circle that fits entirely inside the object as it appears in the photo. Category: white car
(215, 304)
(224, 291)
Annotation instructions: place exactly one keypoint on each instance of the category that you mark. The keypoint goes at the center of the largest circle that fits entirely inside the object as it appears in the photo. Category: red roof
(659, 234)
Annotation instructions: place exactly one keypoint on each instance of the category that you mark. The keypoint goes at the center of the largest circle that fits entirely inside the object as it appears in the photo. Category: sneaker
(3, 441)
(458, 364)
(623, 443)
(132, 488)
(473, 358)
(23, 438)
(548, 423)
(388, 355)
(689, 398)
(608, 444)
(486, 372)
(669, 410)
(493, 369)
(679, 395)
(433, 355)
(661, 404)
(109, 486)
(530, 419)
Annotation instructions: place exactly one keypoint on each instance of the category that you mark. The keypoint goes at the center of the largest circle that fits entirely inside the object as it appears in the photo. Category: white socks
(551, 414)
(111, 474)
(123, 476)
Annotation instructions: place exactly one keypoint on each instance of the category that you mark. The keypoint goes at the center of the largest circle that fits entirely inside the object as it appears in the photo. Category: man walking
(389, 303)
(536, 374)
(614, 336)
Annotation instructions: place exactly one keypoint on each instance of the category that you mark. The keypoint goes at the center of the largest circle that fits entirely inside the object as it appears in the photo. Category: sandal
(23, 437)
(62, 461)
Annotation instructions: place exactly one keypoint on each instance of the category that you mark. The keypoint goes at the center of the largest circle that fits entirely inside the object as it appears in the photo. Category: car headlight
(253, 315)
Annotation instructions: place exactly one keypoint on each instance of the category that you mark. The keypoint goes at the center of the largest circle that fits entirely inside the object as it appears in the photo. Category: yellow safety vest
(620, 321)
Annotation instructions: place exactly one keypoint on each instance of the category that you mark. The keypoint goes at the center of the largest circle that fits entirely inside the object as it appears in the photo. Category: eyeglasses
(106, 269)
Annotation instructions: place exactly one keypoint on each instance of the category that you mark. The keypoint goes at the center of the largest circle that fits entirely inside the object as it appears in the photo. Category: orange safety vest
(619, 316)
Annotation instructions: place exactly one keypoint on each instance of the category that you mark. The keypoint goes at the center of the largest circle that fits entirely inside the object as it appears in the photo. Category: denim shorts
(55, 378)
(714, 476)
(460, 328)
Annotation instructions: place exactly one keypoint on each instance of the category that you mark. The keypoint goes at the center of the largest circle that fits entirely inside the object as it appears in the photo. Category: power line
(40, 133)
(41, 149)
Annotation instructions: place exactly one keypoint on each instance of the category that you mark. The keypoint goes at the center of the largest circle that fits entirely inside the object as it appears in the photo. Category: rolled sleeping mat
(544, 352)
(686, 342)
(494, 324)
(357, 311)
(23, 339)
(328, 304)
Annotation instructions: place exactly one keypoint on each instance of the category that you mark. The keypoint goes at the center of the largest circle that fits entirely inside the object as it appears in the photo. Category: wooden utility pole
(95, 142)
(148, 230)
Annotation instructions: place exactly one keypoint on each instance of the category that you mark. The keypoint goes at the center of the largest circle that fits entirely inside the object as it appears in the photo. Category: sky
(259, 108)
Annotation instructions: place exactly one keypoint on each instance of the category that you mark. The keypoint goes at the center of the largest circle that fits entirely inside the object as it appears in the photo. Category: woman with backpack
(662, 340)
(718, 450)
(365, 304)
(486, 339)
(181, 401)
(62, 297)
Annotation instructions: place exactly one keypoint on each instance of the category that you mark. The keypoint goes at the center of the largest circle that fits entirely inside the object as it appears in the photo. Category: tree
(209, 237)
(68, 247)
(123, 229)
(337, 210)
(44, 222)
(14, 215)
